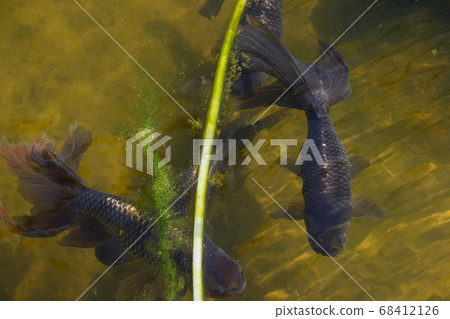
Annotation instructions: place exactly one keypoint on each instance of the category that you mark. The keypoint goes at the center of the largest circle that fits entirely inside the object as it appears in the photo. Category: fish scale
(122, 220)
(269, 13)
(127, 223)
(329, 183)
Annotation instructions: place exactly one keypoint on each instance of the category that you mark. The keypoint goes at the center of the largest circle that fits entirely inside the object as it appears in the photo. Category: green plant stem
(208, 135)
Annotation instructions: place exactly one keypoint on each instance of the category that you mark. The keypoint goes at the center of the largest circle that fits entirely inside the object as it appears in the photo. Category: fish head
(329, 242)
(223, 277)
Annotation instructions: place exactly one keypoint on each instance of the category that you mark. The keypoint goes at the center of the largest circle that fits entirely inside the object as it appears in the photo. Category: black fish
(328, 206)
(61, 199)
(269, 12)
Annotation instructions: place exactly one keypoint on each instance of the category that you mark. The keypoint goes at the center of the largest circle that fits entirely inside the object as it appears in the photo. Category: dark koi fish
(62, 201)
(328, 206)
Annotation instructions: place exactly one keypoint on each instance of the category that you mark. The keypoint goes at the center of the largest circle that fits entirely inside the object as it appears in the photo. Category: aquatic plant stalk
(208, 135)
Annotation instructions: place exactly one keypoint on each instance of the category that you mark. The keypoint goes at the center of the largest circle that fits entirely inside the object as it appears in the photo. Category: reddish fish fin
(87, 232)
(18, 158)
(12, 227)
(46, 182)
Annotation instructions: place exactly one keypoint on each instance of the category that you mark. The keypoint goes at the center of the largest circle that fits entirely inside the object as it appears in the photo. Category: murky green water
(58, 67)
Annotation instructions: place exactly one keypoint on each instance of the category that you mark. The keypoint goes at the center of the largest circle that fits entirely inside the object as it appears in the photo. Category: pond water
(58, 67)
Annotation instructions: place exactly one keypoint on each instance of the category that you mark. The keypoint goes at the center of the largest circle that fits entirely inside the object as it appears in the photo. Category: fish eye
(217, 290)
(343, 239)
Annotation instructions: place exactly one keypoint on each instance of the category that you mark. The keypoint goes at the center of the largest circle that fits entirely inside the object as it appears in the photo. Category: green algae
(161, 192)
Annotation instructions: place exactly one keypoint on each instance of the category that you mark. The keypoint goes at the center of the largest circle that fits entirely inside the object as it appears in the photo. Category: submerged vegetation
(161, 191)
(146, 112)
(397, 57)
(209, 134)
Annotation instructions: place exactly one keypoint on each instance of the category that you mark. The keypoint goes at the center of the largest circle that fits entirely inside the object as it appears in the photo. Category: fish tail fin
(332, 71)
(267, 54)
(47, 180)
(210, 8)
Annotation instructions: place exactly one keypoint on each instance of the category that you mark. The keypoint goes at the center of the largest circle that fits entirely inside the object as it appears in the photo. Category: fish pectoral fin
(292, 210)
(87, 232)
(364, 206)
(112, 252)
(149, 284)
(357, 164)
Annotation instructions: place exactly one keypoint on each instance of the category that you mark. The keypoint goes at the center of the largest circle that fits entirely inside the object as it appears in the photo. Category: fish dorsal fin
(331, 73)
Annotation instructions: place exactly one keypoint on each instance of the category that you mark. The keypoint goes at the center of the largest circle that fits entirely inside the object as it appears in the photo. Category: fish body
(326, 186)
(246, 79)
(62, 201)
(268, 12)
